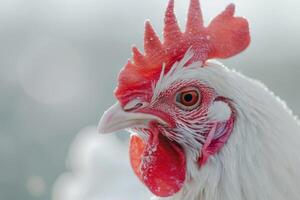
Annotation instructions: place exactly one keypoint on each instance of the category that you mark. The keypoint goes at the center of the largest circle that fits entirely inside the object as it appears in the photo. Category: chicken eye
(188, 99)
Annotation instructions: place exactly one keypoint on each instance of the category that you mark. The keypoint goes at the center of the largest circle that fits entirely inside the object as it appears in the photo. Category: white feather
(219, 111)
(260, 161)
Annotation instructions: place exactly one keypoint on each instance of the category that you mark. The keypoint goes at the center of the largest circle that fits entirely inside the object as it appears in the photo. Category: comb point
(230, 10)
(151, 41)
(171, 28)
(195, 19)
(138, 57)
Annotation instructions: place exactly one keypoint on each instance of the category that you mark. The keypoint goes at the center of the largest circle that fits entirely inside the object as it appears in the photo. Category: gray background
(59, 61)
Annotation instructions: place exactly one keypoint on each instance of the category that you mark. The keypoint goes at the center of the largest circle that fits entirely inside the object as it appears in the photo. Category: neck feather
(261, 158)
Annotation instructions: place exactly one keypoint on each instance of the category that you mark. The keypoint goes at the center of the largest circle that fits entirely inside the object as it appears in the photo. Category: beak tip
(101, 128)
(115, 119)
(104, 122)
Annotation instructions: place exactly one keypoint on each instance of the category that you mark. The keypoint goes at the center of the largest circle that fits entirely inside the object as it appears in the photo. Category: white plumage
(260, 161)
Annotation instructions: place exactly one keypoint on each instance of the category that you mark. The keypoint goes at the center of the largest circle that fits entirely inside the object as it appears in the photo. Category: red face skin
(160, 162)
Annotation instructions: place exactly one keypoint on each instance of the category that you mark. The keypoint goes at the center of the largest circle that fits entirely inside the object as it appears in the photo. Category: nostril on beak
(134, 105)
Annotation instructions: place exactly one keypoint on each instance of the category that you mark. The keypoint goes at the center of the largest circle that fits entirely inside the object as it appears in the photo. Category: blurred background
(59, 61)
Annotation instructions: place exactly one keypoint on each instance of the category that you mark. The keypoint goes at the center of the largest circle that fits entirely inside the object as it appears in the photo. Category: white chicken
(201, 131)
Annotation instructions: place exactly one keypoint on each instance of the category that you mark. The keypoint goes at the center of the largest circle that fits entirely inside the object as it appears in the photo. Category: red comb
(224, 37)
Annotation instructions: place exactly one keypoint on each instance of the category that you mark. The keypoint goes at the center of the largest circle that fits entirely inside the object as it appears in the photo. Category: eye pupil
(188, 97)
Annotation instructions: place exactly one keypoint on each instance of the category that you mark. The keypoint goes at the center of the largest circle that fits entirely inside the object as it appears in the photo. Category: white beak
(115, 118)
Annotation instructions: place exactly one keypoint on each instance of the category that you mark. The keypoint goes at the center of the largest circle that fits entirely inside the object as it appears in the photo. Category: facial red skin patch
(160, 164)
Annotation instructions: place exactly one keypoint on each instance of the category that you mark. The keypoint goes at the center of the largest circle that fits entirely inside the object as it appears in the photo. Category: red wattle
(160, 164)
